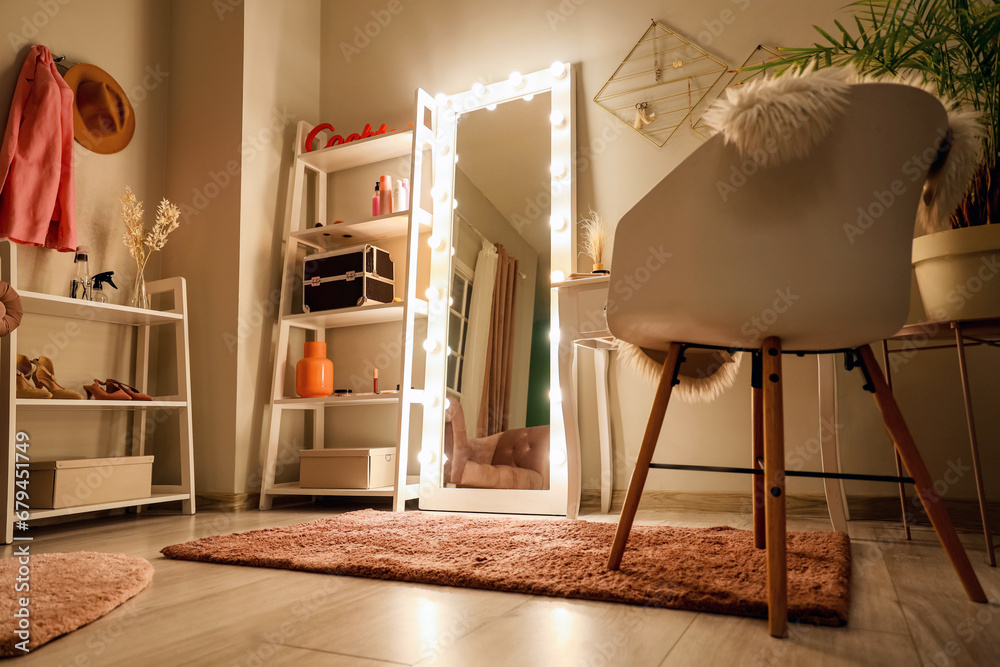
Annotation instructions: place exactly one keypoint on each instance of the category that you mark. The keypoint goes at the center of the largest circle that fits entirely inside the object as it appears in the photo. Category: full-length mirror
(503, 158)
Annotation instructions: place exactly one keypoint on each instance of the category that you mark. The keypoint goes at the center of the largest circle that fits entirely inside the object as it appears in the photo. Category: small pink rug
(64, 591)
(701, 569)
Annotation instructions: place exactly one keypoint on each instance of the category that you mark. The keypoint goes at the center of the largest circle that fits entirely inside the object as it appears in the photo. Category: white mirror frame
(559, 81)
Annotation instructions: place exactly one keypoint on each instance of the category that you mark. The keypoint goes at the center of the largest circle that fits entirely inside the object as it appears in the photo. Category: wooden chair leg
(774, 483)
(759, 538)
(645, 457)
(908, 452)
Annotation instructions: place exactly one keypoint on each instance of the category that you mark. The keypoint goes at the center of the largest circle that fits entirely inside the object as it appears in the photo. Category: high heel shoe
(132, 392)
(25, 390)
(95, 391)
(44, 377)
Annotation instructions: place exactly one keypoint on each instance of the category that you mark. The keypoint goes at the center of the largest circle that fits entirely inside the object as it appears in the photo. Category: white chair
(770, 261)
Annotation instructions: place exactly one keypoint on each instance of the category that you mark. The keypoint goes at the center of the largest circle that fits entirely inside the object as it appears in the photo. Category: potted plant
(954, 47)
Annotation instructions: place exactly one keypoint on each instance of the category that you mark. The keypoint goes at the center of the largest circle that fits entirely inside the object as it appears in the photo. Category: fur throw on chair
(777, 119)
(703, 375)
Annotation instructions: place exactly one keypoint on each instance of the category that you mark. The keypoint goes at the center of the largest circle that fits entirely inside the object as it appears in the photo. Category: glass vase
(140, 299)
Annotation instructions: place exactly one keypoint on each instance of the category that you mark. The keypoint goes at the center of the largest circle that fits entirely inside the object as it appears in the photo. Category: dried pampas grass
(142, 244)
(595, 236)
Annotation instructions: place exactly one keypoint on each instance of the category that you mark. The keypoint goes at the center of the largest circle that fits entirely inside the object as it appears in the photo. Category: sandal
(95, 391)
(132, 392)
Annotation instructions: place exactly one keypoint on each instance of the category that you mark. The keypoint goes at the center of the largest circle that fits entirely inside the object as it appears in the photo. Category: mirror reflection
(497, 423)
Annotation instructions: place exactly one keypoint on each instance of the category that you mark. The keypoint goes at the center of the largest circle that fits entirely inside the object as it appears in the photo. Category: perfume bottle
(377, 201)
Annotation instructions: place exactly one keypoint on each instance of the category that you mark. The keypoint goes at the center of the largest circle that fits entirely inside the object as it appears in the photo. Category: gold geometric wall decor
(660, 82)
(738, 77)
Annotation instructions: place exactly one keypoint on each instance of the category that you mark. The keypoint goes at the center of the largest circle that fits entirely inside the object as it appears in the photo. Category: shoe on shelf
(44, 376)
(114, 393)
(132, 392)
(24, 388)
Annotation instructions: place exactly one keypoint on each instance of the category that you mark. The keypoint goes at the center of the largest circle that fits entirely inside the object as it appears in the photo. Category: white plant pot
(958, 273)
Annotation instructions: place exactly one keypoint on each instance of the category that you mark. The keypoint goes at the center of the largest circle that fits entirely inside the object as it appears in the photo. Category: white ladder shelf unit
(300, 236)
(37, 304)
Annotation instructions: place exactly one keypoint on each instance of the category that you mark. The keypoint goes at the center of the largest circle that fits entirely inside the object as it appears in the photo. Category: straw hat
(103, 120)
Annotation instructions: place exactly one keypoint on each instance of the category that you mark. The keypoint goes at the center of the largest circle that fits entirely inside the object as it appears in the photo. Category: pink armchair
(514, 459)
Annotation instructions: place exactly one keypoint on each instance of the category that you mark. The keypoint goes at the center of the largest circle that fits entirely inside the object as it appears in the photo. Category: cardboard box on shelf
(363, 468)
(76, 482)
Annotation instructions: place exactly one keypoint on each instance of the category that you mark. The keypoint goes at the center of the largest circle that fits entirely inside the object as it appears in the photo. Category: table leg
(829, 438)
(604, 425)
(899, 462)
(976, 465)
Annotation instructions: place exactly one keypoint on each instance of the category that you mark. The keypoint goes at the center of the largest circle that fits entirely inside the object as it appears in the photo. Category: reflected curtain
(478, 335)
(494, 407)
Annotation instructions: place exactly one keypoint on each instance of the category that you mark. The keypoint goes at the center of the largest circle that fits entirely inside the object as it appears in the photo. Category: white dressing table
(583, 322)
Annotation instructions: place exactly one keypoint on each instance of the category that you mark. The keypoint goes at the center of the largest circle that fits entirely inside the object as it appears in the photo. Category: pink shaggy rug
(701, 569)
(65, 591)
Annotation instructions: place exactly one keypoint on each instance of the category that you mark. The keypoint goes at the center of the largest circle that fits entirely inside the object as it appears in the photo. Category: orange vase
(314, 372)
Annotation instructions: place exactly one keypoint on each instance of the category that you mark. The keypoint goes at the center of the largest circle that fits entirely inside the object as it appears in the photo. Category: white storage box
(76, 482)
(366, 468)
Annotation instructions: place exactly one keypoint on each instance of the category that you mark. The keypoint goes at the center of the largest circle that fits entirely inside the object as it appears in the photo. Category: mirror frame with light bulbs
(445, 109)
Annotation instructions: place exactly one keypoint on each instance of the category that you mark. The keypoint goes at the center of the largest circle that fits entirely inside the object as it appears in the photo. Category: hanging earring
(643, 117)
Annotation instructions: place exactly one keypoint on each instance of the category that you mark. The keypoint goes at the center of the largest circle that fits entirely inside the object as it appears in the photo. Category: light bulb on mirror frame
(557, 118)
(517, 79)
(558, 69)
(433, 293)
(435, 242)
(557, 276)
(426, 457)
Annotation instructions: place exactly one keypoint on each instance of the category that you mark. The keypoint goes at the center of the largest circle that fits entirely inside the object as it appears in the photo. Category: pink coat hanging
(37, 199)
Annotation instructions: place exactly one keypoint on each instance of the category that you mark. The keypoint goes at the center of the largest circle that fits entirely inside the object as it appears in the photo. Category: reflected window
(458, 325)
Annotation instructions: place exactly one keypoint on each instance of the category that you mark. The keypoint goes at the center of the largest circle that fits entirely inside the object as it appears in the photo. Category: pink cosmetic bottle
(377, 202)
(385, 194)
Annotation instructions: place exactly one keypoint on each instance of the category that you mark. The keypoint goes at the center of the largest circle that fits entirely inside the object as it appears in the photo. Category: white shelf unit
(36, 304)
(301, 236)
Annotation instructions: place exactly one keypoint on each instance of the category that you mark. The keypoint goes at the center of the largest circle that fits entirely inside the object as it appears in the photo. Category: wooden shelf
(366, 230)
(361, 152)
(357, 316)
(63, 309)
(35, 303)
(403, 226)
(579, 282)
(64, 511)
(71, 404)
(410, 491)
(339, 401)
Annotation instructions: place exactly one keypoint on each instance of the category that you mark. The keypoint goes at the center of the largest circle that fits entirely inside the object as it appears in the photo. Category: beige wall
(280, 87)
(203, 166)
(375, 53)
(138, 57)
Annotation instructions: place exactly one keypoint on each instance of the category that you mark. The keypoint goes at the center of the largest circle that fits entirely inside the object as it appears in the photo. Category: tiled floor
(907, 608)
